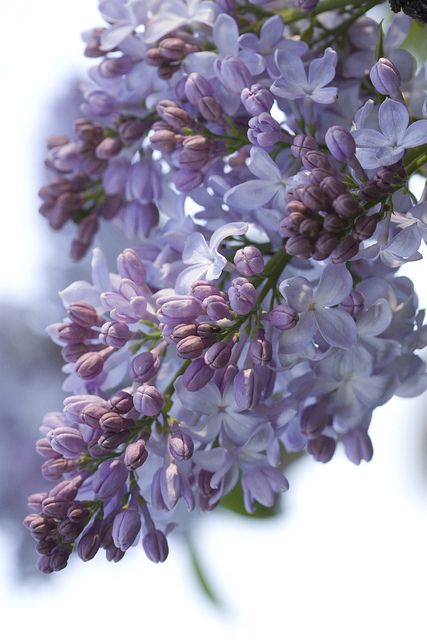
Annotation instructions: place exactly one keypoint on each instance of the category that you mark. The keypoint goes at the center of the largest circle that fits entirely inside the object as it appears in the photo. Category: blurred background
(347, 557)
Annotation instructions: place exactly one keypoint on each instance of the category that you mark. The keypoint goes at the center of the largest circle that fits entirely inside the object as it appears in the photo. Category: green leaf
(201, 575)
(233, 501)
(416, 42)
(379, 53)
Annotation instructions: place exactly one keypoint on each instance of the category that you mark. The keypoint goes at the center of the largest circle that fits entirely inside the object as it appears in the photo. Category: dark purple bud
(121, 402)
(89, 365)
(58, 558)
(282, 317)
(354, 303)
(109, 479)
(261, 350)
(70, 531)
(66, 441)
(257, 99)
(346, 206)
(39, 526)
(145, 366)
(163, 140)
(371, 191)
(72, 352)
(197, 87)
(310, 228)
(264, 131)
(130, 266)
(83, 314)
(113, 67)
(173, 115)
(153, 57)
(218, 355)
(132, 130)
(67, 489)
(173, 48)
(334, 224)
(216, 307)
(115, 334)
(43, 564)
(192, 159)
(179, 309)
(108, 148)
(299, 246)
(358, 446)
(155, 546)
(197, 375)
(243, 296)
(99, 104)
(109, 441)
(346, 250)
(314, 419)
(315, 160)
(332, 187)
(324, 245)
(185, 180)
(249, 261)
(322, 448)
(44, 449)
(46, 546)
(247, 391)
(78, 513)
(112, 421)
(181, 445)
(340, 143)
(54, 507)
(136, 454)
(90, 542)
(148, 400)
(301, 144)
(365, 227)
(182, 331)
(73, 333)
(385, 77)
(53, 470)
(191, 347)
(210, 109)
(126, 527)
(313, 198)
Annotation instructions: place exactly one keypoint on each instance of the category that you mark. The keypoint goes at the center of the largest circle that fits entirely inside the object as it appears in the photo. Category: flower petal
(322, 70)
(230, 229)
(415, 135)
(393, 119)
(250, 195)
(226, 35)
(337, 327)
(335, 285)
(196, 250)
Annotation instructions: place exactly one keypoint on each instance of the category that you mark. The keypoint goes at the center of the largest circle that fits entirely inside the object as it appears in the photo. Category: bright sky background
(348, 561)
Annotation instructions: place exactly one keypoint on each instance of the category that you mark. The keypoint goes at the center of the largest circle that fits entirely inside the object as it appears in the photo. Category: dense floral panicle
(260, 170)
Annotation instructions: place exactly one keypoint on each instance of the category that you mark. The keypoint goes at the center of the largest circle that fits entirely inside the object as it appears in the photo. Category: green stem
(293, 15)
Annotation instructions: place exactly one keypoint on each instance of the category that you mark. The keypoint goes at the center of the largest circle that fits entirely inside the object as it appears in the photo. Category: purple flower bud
(346, 250)
(184, 331)
(202, 289)
(332, 187)
(173, 48)
(173, 115)
(90, 542)
(70, 531)
(191, 347)
(354, 303)
(334, 224)
(313, 198)
(242, 296)
(130, 266)
(210, 109)
(315, 160)
(282, 317)
(147, 400)
(34, 501)
(249, 261)
(340, 143)
(44, 449)
(192, 159)
(98, 104)
(346, 206)
(126, 527)
(358, 446)
(216, 307)
(247, 391)
(109, 479)
(264, 131)
(314, 419)
(179, 309)
(324, 245)
(55, 507)
(89, 365)
(109, 441)
(233, 73)
(261, 350)
(67, 441)
(301, 144)
(58, 558)
(72, 333)
(181, 445)
(83, 314)
(78, 513)
(108, 148)
(72, 352)
(365, 227)
(132, 130)
(385, 77)
(113, 67)
(299, 246)
(145, 366)
(39, 526)
(54, 469)
(112, 421)
(121, 402)
(322, 448)
(197, 375)
(257, 99)
(155, 546)
(218, 355)
(197, 87)
(163, 140)
(136, 454)
(115, 334)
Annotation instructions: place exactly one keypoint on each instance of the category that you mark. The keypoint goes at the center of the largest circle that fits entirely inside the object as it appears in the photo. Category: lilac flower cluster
(262, 167)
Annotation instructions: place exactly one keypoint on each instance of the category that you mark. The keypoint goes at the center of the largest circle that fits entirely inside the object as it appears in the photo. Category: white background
(349, 557)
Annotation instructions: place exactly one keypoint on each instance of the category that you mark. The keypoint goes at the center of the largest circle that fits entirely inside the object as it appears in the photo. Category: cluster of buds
(169, 53)
(324, 219)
